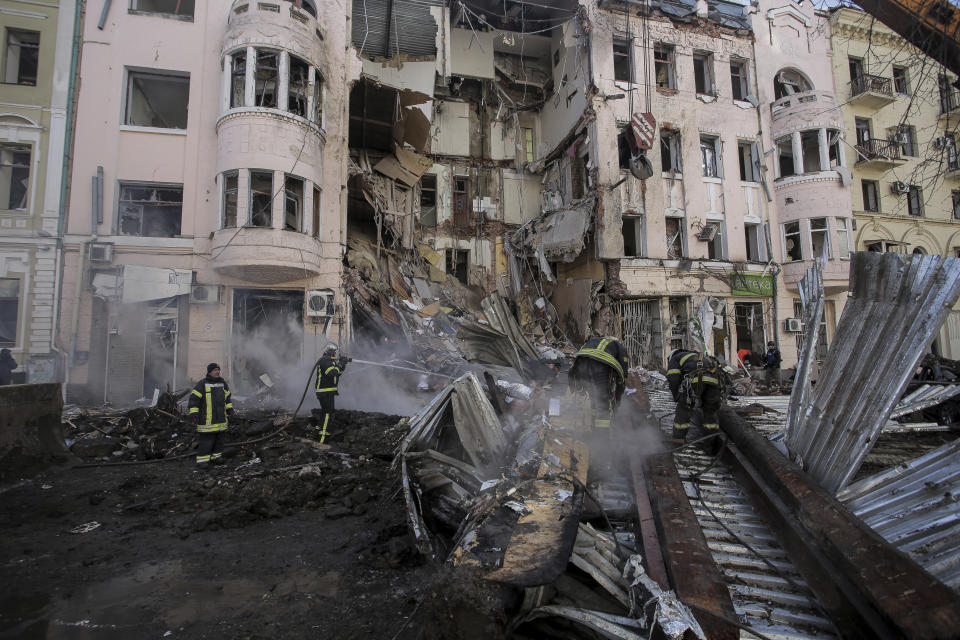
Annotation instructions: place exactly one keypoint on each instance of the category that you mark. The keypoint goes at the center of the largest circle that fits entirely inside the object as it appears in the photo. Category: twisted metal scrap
(896, 306)
(811, 295)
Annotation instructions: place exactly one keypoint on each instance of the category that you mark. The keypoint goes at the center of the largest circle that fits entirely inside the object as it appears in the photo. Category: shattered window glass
(238, 79)
(261, 198)
(738, 79)
(293, 204)
(157, 99)
(709, 156)
(664, 66)
(670, 151)
(266, 78)
(149, 210)
(788, 82)
(819, 237)
(703, 73)
(298, 85)
(230, 188)
(674, 228)
(791, 240)
(14, 176)
(715, 247)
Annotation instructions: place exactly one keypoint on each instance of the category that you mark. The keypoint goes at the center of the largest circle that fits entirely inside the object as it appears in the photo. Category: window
(292, 204)
(908, 139)
(843, 238)
(703, 73)
(318, 93)
(298, 87)
(622, 63)
(458, 264)
(670, 151)
(715, 247)
(900, 83)
(675, 239)
(955, 196)
(527, 144)
(261, 198)
(578, 177)
(792, 250)
(710, 156)
(316, 211)
(948, 96)
(461, 203)
(915, 201)
(738, 79)
(810, 151)
(14, 176)
(862, 126)
(238, 79)
(820, 352)
(167, 7)
(754, 238)
(22, 58)
(885, 246)
(833, 147)
(150, 210)
(230, 192)
(788, 82)
(749, 161)
(950, 143)
(266, 79)
(870, 200)
(9, 311)
(819, 237)
(428, 200)
(157, 99)
(785, 157)
(632, 236)
(856, 70)
(663, 62)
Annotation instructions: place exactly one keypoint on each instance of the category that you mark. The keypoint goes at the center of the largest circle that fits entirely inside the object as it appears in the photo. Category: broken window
(749, 161)
(663, 61)
(622, 63)
(792, 250)
(316, 211)
(316, 115)
(527, 144)
(885, 246)
(675, 239)
(749, 326)
(715, 247)
(810, 151)
(948, 95)
(907, 137)
(297, 87)
(785, 157)
(22, 58)
(428, 200)
(230, 194)
(150, 210)
(843, 238)
(458, 264)
(266, 78)
(703, 73)
(856, 72)
(238, 79)
(261, 198)
(900, 83)
(915, 201)
(461, 202)
(292, 203)
(738, 79)
(788, 82)
(833, 147)
(710, 156)
(819, 237)
(14, 176)
(862, 127)
(9, 311)
(754, 239)
(632, 236)
(157, 99)
(870, 200)
(670, 151)
(679, 323)
(169, 7)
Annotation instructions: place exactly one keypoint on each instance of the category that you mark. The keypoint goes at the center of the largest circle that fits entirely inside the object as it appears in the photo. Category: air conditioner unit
(205, 294)
(900, 188)
(793, 325)
(101, 252)
(708, 233)
(320, 303)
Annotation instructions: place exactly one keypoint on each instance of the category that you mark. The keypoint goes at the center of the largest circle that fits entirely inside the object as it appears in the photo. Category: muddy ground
(285, 540)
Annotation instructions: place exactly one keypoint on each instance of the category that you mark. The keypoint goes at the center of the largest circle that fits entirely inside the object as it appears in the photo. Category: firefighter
(600, 369)
(208, 408)
(696, 382)
(329, 369)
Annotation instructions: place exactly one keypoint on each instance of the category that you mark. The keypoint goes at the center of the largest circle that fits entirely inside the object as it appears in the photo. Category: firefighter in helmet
(696, 381)
(329, 369)
(600, 369)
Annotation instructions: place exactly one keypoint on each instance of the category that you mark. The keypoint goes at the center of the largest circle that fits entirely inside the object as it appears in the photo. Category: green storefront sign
(749, 284)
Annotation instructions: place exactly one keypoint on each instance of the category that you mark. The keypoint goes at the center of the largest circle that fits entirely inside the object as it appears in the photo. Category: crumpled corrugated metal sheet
(925, 397)
(896, 306)
(811, 296)
(914, 506)
(388, 28)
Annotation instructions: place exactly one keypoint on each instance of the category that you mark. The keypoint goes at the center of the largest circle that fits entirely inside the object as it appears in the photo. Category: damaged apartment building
(664, 172)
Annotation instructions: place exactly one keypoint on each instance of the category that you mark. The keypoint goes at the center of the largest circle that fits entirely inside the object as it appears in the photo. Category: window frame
(823, 234)
(671, 141)
(131, 204)
(740, 80)
(224, 198)
(705, 58)
(132, 74)
(844, 238)
(640, 235)
(288, 198)
(250, 197)
(756, 242)
(787, 235)
(710, 146)
(749, 169)
(627, 43)
(425, 189)
(9, 33)
(17, 299)
(903, 81)
(18, 148)
(667, 61)
(955, 196)
(915, 201)
(132, 8)
(865, 186)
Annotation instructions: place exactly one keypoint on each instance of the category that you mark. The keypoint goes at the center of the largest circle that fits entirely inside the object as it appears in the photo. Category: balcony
(265, 256)
(871, 91)
(952, 171)
(949, 103)
(878, 154)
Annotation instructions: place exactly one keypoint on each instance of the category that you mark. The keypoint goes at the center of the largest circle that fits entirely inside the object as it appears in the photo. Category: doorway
(267, 335)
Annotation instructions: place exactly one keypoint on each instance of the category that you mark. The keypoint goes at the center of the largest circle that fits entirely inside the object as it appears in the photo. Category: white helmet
(331, 349)
(673, 353)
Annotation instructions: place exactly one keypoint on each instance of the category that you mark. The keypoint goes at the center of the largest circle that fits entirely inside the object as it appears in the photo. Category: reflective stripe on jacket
(210, 400)
(328, 375)
(608, 351)
(699, 368)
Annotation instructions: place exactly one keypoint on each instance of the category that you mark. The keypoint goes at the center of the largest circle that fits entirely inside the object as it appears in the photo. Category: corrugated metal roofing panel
(411, 30)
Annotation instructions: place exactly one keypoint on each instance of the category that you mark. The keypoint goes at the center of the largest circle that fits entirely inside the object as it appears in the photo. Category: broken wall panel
(472, 53)
(521, 197)
(896, 305)
(451, 128)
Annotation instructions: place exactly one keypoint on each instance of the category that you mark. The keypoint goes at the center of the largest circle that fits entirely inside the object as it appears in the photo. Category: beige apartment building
(35, 114)
(902, 110)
